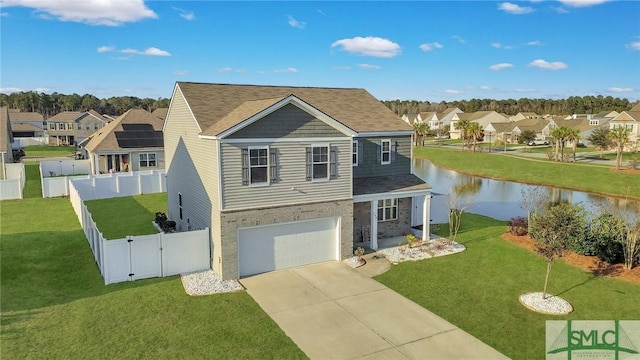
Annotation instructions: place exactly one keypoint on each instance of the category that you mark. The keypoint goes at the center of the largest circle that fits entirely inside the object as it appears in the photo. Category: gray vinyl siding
(191, 167)
(287, 122)
(292, 187)
(370, 163)
(135, 160)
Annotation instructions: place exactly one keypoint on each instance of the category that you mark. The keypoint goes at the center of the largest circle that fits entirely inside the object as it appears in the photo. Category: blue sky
(421, 50)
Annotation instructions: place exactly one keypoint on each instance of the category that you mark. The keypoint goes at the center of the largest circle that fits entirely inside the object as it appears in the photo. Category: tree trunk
(546, 279)
(619, 156)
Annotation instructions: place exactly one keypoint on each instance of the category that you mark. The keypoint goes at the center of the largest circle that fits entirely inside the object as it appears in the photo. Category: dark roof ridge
(271, 86)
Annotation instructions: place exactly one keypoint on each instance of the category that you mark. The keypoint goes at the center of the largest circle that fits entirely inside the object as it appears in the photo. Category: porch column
(426, 223)
(374, 225)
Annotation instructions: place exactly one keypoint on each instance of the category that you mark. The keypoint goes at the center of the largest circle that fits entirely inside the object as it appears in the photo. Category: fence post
(139, 183)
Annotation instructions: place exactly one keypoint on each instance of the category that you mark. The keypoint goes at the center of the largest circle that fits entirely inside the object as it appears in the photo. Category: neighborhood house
(287, 176)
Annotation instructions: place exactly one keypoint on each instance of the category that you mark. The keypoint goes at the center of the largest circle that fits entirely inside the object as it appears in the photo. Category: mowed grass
(597, 179)
(118, 217)
(478, 289)
(55, 304)
(48, 151)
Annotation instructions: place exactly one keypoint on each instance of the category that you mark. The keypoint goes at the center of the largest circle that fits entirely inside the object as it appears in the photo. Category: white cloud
(296, 24)
(185, 14)
(341, 67)
(559, 9)
(542, 64)
(453, 92)
(152, 51)
(459, 39)
(521, 90)
(430, 46)
(514, 8)
(102, 49)
(500, 46)
(369, 66)
(92, 12)
(534, 43)
(485, 87)
(369, 46)
(42, 90)
(633, 45)
(230, 69)
(582, 3)
(287, 70)
(500, 66)
(180, 73)
(619, 89)
(321, 13)
(3, 14)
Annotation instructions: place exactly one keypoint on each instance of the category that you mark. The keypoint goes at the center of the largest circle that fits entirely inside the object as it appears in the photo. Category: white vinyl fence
(140, 257)
(106, 185)
(12, 187)
(19, 143)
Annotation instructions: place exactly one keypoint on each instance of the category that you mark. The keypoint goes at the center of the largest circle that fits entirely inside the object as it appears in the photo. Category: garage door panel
(281, 246)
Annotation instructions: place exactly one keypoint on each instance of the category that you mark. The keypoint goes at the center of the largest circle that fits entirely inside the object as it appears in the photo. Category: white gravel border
(552, 305)
(431, 248)
(207, 282)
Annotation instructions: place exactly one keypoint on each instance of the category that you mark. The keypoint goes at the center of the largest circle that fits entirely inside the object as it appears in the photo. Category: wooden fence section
(146, 256)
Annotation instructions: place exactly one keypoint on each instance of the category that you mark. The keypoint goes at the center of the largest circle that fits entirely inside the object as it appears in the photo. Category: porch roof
(371, 188)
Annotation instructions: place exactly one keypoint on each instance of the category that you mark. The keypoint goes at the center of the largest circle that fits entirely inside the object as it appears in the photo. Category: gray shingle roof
(105, 138)
(213, 105)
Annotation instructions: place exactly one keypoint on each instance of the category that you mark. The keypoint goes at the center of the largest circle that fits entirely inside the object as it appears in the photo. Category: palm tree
(474, 131)
(620, 136)
(463, 125)
(560, 136)
(573, 135)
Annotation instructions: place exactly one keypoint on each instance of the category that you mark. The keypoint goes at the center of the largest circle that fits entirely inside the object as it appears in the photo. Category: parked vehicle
(538, 142)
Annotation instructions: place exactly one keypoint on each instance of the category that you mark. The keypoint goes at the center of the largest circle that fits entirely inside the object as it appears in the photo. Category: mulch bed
(588, 263)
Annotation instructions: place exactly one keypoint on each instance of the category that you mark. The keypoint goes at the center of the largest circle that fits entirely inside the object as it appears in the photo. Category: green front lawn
(585, 177)
(55, 304)
(48, 151)
(478, 289)
(139, 211)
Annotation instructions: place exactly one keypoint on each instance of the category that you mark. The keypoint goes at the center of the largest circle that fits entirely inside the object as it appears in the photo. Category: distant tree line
(571, 105)
(52, 104)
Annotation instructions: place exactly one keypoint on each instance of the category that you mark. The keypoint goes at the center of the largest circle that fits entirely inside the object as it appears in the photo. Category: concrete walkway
(332, 311)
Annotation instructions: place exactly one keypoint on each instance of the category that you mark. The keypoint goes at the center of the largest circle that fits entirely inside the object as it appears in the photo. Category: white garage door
(280, 246)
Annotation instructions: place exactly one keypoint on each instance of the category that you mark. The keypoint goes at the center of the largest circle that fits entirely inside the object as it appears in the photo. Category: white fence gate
(12, 187)
(140, 257)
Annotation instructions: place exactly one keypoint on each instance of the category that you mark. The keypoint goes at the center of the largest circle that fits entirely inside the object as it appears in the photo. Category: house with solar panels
(131, 142)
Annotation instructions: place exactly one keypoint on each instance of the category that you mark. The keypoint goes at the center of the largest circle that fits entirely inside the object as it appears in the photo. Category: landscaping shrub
(603, 238)
(518, 226)
(164, 223)
(573, 220)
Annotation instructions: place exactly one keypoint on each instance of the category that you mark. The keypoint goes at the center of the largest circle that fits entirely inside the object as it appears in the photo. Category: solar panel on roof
(137, 127)
(139, 139)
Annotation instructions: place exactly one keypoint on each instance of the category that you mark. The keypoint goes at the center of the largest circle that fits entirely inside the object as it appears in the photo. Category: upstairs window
(386, 152)
(354, 153)
(321, 162)
(259, 165)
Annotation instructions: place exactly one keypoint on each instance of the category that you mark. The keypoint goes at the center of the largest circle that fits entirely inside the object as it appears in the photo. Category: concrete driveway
(333, 312)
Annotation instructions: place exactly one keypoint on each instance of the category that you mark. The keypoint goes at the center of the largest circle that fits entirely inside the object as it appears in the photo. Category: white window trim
(394, 204)
(268, 166)
(354, 146)
(155, 159)
(180, 199)
(382, 152)
(328, 163)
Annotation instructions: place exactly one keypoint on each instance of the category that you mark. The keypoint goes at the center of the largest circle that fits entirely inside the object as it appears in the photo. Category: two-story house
(287, 176)
(71, 127)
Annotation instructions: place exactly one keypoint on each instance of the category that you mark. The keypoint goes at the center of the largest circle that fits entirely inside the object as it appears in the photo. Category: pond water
(503, 200)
